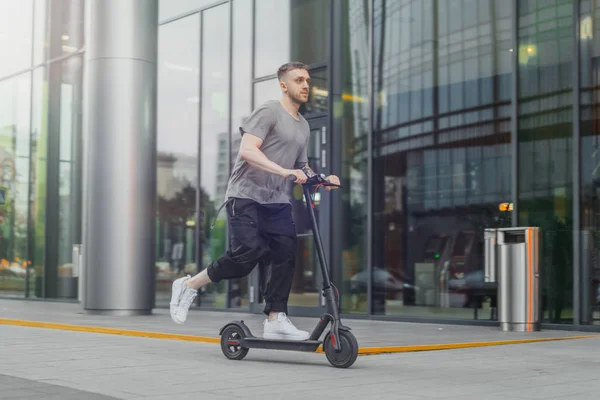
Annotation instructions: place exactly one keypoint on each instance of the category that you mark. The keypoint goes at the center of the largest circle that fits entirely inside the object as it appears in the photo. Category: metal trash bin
(512, 260)
(78, 271)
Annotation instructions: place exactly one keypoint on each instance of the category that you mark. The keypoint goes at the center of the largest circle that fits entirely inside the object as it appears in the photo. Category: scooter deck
(281, 344)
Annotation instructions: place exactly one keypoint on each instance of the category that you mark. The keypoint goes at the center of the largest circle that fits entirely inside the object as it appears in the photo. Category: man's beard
(298, 100)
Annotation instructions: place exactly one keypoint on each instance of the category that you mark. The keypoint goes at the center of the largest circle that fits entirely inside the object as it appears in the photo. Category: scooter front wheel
(231, 343)
(348, 352)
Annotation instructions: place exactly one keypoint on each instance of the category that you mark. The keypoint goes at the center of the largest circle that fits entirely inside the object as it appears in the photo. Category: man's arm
(303, 165)
(251, 153)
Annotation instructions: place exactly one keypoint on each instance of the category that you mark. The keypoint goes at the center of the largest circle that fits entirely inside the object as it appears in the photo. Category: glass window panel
(354, 106)
(266, 90)
(590, 161)
(56, 176)
(177, 151)
(69, 189)
(214, 137)
(300, 34)
(39, 34)
(15, 106)
(241, 103)
(39, 140)
(456, 14)
(16, 19)
(544, 150)
(318, 95)
(432, 202)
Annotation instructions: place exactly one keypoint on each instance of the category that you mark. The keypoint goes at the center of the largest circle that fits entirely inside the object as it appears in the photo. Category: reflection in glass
(317, 100)
(177, 152)
(590, 160)
(441, 160)
(214, 136)
(353, 142)
(14, 183)
(69, 190)
(301, 33)
(37, 212)
(545, 58)
(39, 32)
(66, 27)
(241, 103)
(307, 281)
(15, 36)
(318, 96)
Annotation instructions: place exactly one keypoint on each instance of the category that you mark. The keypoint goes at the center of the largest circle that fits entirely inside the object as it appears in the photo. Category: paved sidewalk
(19, 388)
(50, 364)
(207, 324)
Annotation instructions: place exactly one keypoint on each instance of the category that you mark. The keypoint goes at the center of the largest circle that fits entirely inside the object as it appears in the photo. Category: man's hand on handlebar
(334, 180)
(298, 173)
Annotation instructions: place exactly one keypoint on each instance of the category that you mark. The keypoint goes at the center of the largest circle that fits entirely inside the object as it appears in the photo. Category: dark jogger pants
(263, 233)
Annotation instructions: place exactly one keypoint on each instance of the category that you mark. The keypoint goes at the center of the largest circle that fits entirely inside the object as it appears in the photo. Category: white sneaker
(181, 300)
(282, 328)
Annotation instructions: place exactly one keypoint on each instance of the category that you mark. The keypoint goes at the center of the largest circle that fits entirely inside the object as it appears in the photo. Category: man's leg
(278, 226)
(283, 261)
(246, 248)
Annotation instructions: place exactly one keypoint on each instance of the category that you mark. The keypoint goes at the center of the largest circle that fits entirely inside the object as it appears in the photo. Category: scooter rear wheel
(230, 343)
(348, 353)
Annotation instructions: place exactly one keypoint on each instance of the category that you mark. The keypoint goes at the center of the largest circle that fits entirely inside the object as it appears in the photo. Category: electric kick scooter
(339, 344)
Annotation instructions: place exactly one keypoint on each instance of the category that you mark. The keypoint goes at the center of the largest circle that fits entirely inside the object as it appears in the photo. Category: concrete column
(120, 156)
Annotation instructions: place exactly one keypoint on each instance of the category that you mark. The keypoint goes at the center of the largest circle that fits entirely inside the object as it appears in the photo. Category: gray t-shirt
(285, 142)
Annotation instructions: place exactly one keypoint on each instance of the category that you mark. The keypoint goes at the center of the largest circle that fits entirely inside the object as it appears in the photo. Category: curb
(214, 340)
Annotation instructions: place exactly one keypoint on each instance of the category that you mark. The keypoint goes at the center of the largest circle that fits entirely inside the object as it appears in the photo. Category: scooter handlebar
(317, 179)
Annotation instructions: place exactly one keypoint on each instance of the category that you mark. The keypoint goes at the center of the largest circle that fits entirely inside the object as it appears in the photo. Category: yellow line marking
(206, 339)
(110, 331)
(451, 346)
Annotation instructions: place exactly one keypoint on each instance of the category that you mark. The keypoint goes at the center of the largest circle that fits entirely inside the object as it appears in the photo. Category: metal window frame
(334, 137)
(198, 227)
(29, 229)
(514, 122)
(229, 133)
(371, 95)
(254, 276)
(43, 64)
(313, 66)
(192, 12)
(578, 279)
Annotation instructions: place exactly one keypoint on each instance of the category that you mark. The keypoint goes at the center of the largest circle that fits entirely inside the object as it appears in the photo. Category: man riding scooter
(274, 146)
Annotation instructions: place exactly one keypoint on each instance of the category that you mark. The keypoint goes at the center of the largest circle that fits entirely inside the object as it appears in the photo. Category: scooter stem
(318, 241)
(329, 291)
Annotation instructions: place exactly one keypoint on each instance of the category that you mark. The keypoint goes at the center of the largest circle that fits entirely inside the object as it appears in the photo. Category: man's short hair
(287, 67)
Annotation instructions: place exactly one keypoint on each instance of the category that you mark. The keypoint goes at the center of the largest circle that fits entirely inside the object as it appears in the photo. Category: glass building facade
(432, 112)
(41, 45)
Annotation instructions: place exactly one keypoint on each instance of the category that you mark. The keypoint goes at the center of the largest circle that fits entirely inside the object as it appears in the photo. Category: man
(273, 147)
